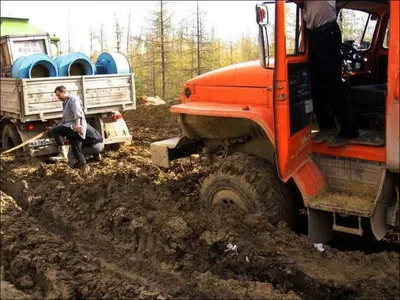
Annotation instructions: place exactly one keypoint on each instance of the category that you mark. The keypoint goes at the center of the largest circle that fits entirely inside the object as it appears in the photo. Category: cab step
(344, 203)
(355, 191)
(352, 186)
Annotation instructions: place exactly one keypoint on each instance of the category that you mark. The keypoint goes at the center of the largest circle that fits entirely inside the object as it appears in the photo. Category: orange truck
(256, 120)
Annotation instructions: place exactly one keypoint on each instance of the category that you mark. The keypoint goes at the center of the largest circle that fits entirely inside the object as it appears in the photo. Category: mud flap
(163, 152)
(379, 224)
(319, 225)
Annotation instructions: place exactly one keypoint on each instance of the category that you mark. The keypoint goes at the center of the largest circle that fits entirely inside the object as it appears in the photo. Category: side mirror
(262, 15)
(262, 51)
(262, 18)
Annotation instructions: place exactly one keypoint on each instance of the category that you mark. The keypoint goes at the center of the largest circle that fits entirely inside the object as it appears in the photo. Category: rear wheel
(251, 184)
(11, 137)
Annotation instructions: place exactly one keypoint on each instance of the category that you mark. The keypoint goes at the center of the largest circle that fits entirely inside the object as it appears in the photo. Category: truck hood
(248, 74)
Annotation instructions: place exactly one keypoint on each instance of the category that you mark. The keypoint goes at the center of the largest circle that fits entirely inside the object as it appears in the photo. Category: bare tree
(69, 33)
(118, 33)
(102, 38)
(193, 51)
(92, 37)
(162, 24)
(128, 33)
(231, 51)
(138, 40)
(198, 33)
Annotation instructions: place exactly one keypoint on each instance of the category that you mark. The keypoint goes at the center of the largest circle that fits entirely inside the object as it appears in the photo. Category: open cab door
(292, 97)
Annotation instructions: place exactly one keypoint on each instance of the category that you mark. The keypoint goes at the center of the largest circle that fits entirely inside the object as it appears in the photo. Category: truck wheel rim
(227, 197)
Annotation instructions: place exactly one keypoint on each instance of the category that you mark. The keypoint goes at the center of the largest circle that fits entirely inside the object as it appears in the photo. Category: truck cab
(19, 38)
(255, 120)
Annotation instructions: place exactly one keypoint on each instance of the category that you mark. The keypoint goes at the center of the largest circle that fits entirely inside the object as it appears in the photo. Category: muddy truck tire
(10, 137)
(252, 184)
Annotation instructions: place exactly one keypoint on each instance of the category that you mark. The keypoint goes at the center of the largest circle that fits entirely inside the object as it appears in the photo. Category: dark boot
(97, 157)
(338, 141)
(324, 134)
(343, 138)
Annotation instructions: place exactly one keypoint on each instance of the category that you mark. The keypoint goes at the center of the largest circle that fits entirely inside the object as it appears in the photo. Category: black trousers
(61, 131)
(329, 92)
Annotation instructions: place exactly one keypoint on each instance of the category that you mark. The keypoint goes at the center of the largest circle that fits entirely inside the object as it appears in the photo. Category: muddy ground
(133, 230)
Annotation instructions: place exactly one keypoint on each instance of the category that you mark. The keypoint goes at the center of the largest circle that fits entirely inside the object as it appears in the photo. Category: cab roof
(18, 26)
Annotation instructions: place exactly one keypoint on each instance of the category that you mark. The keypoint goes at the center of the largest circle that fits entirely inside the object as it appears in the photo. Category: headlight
(188, 92)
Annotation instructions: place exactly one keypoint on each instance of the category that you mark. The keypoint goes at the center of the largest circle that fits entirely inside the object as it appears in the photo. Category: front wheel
(251, 184)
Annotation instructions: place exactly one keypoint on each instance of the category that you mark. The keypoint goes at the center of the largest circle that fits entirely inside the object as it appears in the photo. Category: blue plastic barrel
(112, 63)
(36, 65)
(74, 64)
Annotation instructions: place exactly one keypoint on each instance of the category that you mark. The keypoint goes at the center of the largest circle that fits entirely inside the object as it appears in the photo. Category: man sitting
(92, 145)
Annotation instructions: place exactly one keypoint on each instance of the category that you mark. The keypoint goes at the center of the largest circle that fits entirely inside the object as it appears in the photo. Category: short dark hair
(60, 89)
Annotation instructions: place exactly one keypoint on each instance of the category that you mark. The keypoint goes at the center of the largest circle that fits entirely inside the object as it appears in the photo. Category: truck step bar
(356, 231)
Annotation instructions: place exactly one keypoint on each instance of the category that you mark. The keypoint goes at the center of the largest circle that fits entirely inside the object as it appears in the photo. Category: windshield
(357, 27)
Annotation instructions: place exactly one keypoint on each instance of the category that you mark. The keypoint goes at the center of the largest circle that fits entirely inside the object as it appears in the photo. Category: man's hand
(49, 128)
(77, 126)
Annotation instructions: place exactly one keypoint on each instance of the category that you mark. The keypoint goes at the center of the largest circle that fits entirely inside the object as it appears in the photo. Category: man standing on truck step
(73, 127)
(327, 88)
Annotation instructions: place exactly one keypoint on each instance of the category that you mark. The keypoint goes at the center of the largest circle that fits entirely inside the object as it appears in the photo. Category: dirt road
(132, 230)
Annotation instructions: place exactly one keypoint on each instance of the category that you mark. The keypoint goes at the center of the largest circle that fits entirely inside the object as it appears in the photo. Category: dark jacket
(92, 138)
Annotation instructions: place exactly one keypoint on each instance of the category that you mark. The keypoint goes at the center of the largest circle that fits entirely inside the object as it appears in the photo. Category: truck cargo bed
(34, 99)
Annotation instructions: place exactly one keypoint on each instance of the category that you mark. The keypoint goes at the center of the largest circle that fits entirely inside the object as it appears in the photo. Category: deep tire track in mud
(48, 266)
(284, 275)
(134, 230)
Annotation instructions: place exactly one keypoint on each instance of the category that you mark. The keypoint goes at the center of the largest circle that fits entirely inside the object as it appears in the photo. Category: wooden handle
(24, 143)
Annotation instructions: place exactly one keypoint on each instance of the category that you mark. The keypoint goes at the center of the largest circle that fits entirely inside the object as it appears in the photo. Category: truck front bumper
(163, 152)
(127, 139)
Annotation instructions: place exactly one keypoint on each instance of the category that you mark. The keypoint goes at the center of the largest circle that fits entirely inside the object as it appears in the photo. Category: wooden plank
(10, 96)
(41, 94)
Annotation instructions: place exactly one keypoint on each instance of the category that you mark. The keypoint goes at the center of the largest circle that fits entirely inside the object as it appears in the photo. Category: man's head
(61, 92)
